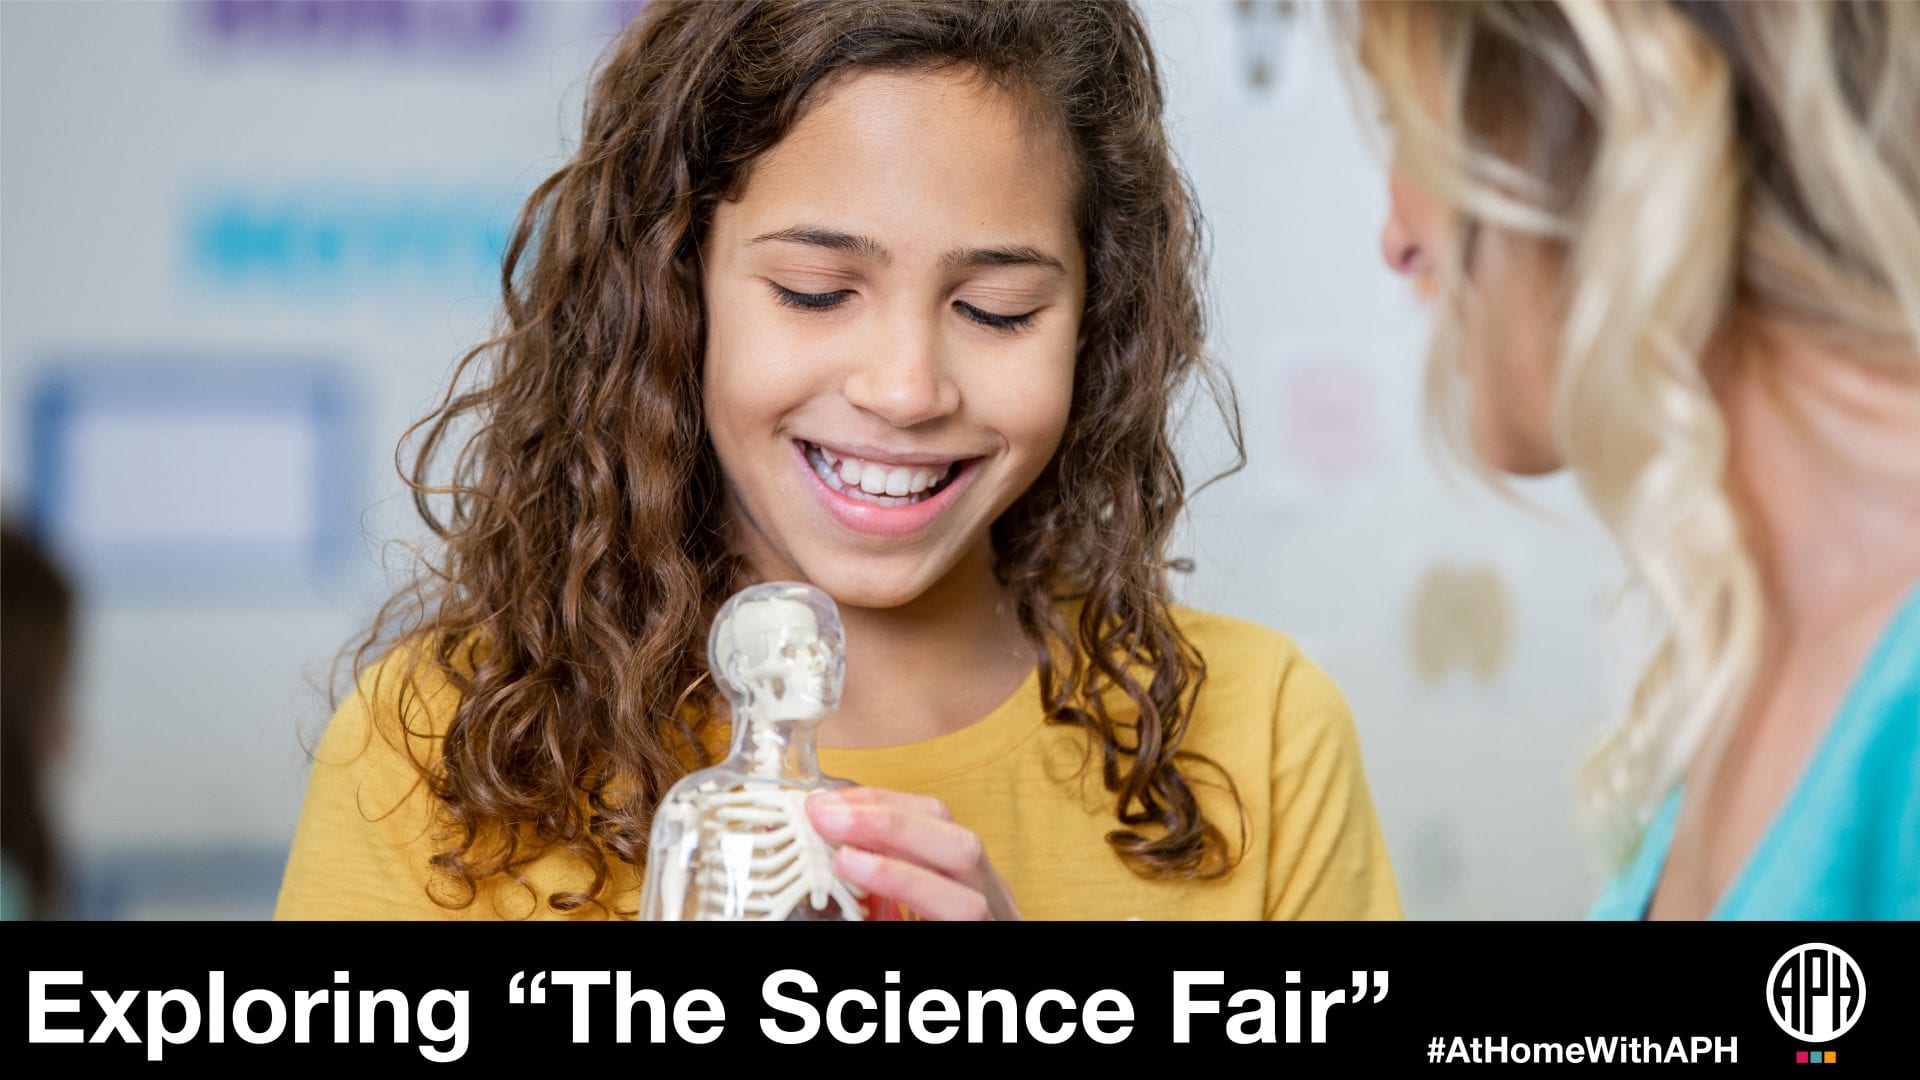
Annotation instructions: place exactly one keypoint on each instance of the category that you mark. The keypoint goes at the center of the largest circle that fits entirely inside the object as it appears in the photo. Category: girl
(894, 300)
(1676, 249)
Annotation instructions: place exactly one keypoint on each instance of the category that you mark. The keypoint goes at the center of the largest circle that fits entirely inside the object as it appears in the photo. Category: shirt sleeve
(1329, 857)
(365, 838)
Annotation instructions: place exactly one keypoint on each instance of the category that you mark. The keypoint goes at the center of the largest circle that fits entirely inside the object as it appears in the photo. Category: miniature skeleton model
(734, 841)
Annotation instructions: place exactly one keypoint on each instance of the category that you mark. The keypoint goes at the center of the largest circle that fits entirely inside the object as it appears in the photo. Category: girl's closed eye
(994, 319)
(808, 301)
(825, 301)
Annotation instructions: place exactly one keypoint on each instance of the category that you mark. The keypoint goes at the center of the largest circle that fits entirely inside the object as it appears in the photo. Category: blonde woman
(1675, 248)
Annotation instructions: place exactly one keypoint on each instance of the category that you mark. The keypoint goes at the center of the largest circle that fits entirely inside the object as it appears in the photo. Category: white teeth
(872, 482)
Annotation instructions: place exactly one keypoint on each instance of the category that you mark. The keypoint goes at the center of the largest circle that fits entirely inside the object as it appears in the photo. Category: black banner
(1444, 997)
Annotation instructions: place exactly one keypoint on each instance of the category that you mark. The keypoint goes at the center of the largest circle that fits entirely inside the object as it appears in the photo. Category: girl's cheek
(1039, 405)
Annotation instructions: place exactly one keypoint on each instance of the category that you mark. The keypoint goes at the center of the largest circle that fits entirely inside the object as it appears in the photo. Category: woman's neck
(1824, 455)
(1824, 463)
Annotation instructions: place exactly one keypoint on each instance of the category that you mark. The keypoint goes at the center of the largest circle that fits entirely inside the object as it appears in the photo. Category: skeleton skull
(776, 651)
(734, 841)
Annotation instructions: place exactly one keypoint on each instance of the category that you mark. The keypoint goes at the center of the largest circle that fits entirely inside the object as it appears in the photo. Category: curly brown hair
(581, 548)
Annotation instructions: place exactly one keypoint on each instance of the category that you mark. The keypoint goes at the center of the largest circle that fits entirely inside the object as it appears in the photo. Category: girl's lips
(872, 519)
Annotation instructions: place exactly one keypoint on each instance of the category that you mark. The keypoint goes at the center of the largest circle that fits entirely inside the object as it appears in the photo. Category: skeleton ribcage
(761, 859)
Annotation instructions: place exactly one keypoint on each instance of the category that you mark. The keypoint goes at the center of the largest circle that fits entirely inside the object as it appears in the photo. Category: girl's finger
(871, 796)
(903, 832)
(928, 894)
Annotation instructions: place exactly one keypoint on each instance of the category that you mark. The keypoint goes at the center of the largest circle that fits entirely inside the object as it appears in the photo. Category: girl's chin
(852, 591)
(857, 582)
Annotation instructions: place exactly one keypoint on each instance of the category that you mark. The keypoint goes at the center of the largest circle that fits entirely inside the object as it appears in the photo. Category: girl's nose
(904, 382)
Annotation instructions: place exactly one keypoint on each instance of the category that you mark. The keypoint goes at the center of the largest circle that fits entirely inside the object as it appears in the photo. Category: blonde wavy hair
(1679, 168)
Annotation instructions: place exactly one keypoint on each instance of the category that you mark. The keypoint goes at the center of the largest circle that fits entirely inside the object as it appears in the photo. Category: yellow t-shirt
(1266, 714)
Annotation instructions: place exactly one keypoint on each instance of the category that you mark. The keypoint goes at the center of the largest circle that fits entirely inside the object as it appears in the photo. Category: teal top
(1846, 842)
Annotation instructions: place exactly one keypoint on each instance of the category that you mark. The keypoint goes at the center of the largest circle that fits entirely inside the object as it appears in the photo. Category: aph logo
(1816, 992)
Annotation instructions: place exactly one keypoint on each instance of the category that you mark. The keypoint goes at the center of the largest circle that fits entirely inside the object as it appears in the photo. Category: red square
(1799, 1057)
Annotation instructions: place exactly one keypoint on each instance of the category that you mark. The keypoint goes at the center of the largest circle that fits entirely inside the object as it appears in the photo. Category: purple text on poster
(431, 27)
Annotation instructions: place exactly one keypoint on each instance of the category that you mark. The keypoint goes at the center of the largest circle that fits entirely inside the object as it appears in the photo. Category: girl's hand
(907, 848)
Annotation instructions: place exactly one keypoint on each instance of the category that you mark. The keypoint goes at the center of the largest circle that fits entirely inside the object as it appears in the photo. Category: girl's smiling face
(893, 310)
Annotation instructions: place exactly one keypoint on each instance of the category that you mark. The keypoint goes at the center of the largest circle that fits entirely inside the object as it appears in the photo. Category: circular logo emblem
(1816, 992)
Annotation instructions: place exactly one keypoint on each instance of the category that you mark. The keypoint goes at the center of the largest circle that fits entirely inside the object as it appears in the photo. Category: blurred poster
(170, 479)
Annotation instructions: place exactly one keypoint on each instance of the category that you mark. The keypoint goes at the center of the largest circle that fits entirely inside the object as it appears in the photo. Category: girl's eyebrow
(1016, 255)
(869, 248)
(831, 239)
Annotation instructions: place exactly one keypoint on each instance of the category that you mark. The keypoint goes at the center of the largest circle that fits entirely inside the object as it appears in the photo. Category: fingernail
(829, 812)
(857, 862)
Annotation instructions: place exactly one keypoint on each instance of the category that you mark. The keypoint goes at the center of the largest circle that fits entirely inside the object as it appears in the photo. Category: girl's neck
(1824, 455)
(931, 666)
